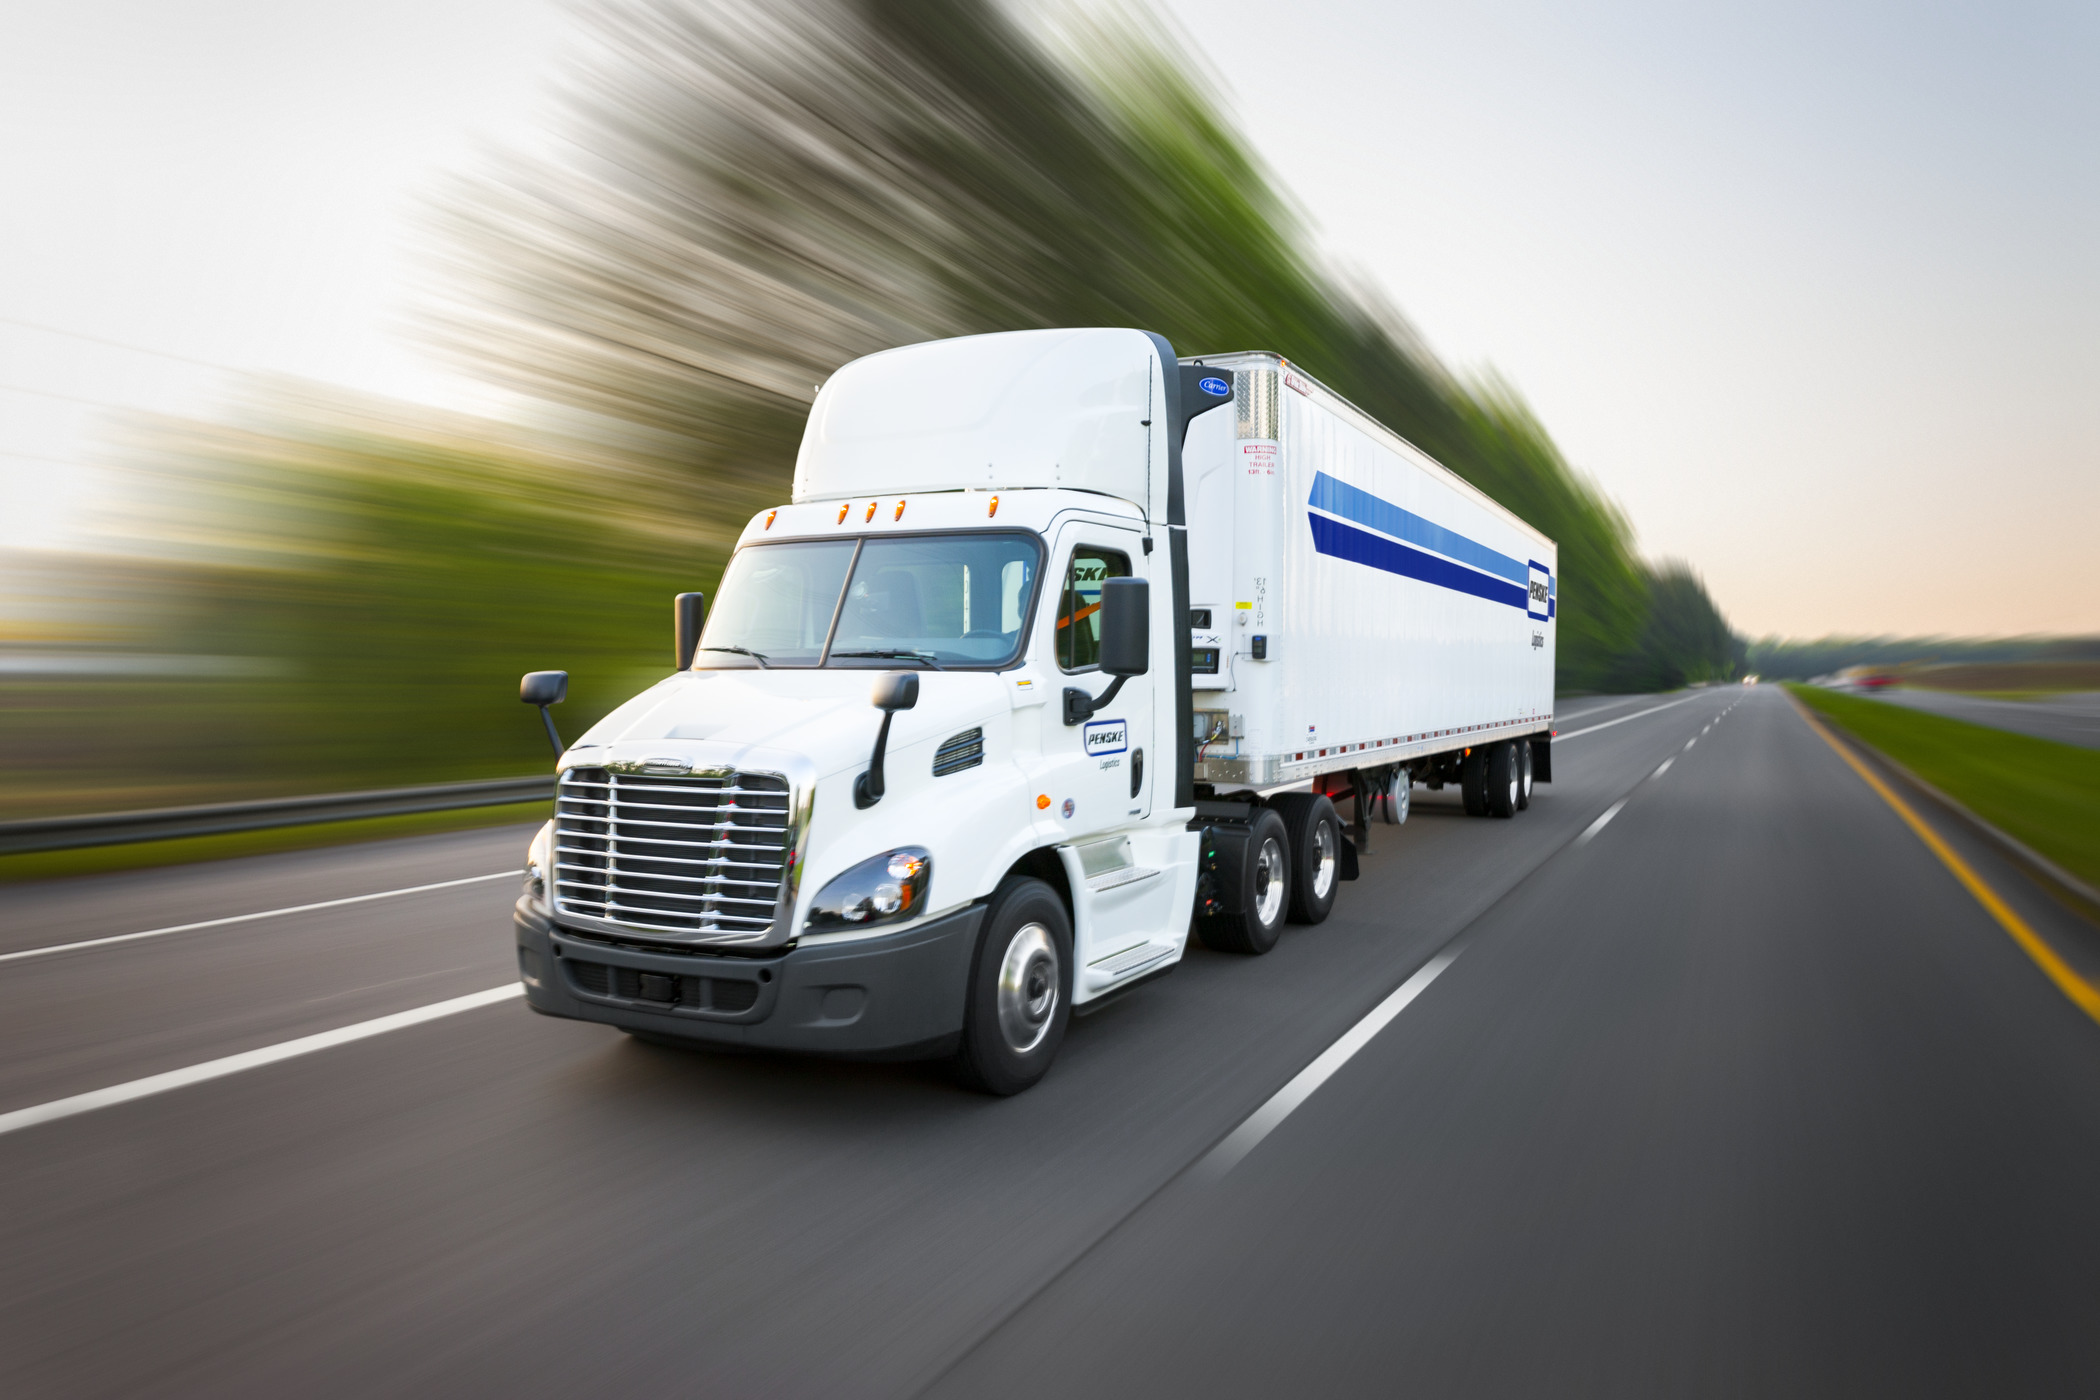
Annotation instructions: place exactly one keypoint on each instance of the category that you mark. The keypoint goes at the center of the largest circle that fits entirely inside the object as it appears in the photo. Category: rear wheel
(1524, 774)
(1473, 782)
(1397, 792)
(1262, 889)
(1316, 853)
(1503, 780)
(1020, 996)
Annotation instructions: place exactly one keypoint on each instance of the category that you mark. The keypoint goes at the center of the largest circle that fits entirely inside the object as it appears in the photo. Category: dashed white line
(1598, 825)
(1264, 1120)
(1662, 770)
(1623, 719)
(249, 1059)
(247, 918)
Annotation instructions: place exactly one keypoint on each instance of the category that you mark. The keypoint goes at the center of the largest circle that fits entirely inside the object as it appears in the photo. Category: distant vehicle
(983, 531)
(1750, 679)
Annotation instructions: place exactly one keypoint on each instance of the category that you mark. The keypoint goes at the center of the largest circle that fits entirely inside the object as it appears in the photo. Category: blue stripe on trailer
(1341, 540)
(1355, 504)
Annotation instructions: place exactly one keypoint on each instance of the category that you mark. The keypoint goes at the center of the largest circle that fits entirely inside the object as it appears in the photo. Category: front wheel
(1020, 995)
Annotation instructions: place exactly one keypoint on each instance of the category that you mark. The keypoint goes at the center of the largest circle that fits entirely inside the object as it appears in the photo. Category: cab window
(1079, 606)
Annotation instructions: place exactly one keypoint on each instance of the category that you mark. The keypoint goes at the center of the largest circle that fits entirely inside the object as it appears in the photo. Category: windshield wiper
(743, 651)
(925, 656)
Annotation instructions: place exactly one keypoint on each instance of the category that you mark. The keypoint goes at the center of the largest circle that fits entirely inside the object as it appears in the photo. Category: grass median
(101, 860)
(2044, 794)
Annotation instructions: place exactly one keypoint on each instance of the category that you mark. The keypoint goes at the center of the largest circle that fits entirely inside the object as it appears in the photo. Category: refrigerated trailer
(1061, 650)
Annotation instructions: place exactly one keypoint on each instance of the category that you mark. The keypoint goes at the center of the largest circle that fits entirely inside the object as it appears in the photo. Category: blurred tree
(749, 195)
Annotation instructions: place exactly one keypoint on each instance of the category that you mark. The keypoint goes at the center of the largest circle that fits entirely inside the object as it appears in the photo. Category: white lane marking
(249, 1059)
(1662, 770)
(1598, 825)
(1691, 741)
(246, 918)
(1264, 1120)
(1623, 719)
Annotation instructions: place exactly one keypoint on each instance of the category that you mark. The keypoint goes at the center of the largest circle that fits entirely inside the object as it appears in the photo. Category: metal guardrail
(164, 823)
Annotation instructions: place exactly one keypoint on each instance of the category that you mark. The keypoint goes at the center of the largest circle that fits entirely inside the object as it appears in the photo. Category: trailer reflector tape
(249, 1059)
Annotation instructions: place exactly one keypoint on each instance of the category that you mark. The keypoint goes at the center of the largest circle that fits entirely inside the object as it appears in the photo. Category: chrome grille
(701, 853)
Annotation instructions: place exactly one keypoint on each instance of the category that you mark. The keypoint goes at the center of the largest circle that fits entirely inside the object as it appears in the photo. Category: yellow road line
(2081, 992)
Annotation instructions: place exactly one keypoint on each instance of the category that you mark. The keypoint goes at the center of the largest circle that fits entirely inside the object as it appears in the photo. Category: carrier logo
(1539, 600)
(1214, 386)
(1107, 736)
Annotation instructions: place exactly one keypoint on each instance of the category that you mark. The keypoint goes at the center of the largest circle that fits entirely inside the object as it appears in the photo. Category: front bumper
(896, 996)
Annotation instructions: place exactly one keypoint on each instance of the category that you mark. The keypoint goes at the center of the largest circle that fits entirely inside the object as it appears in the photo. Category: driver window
(1079, 606)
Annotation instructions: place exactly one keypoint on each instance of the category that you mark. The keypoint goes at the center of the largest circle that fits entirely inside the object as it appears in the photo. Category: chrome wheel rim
(1397, 797)
(1028, 988)
(1323, 859)
(1268, 882)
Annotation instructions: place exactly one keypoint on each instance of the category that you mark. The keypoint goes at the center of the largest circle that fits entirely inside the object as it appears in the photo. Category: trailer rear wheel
(1503, 780)
(1255, 910)
(1524, 773)
(1316, 853)
(1020, 994)
(1398, 790)
(1473, 782)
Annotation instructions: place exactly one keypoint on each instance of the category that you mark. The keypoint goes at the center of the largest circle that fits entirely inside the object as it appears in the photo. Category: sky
(1808, 289)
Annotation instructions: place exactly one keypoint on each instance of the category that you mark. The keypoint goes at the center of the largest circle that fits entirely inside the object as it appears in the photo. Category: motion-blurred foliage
(360, 589)
(746, 196)
(752, 194)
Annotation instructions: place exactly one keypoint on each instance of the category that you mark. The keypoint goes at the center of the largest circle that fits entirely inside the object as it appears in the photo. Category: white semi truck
(1127, 623)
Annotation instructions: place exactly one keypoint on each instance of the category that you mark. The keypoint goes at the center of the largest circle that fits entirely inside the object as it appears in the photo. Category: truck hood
(823, 715)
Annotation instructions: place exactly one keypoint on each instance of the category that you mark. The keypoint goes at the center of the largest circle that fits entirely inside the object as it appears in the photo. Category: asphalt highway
(2067, 719)
(1705, 1077)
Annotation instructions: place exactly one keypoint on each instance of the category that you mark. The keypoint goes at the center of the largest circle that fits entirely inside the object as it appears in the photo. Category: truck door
(1101, 771)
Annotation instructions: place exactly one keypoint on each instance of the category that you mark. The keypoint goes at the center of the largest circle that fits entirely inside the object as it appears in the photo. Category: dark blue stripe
(1342, 541)
(1354, 503)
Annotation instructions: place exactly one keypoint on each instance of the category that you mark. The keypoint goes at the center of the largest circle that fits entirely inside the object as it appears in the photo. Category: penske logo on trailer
(1350, 523)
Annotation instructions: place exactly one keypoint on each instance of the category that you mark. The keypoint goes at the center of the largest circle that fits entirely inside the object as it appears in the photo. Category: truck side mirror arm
(897, 691)
(1126, 644)
(544, 688)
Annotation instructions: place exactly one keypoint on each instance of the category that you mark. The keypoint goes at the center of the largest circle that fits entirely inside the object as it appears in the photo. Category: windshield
(933, 600)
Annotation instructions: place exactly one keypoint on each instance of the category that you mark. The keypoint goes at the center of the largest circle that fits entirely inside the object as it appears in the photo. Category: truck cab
(922, 783)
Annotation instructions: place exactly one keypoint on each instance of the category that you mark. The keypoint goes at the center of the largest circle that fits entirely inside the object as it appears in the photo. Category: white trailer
(1356, 604)
(751, 853)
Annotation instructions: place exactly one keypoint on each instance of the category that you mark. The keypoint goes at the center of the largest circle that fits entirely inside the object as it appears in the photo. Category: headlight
(886, 890)
(539, 863)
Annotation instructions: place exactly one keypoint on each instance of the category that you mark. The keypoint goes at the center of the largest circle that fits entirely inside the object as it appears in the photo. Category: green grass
(101, 860)
(2046, 795)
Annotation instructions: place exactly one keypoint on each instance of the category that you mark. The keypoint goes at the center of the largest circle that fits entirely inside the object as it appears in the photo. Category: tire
(1473, 782)
(1316, 853)
(1264, 878)
(1524, 775)
(1503, 780)
(1020, 994)
(1396, 798)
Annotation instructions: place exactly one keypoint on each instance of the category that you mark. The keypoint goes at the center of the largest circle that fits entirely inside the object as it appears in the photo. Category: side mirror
(688, 614)
(544, 688)
(1126, 645)
(896, 691)
(899, 690)
(1126, 626)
